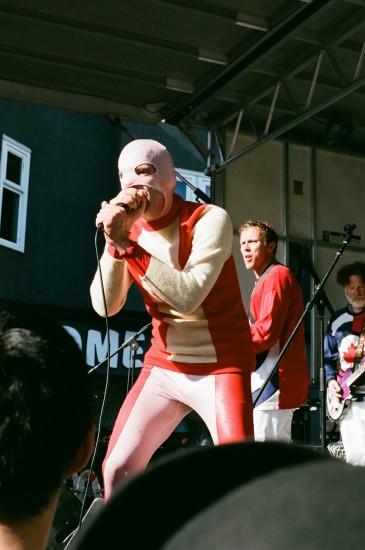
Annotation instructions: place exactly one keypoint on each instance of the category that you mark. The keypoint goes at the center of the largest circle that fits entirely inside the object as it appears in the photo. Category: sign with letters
(126, 347)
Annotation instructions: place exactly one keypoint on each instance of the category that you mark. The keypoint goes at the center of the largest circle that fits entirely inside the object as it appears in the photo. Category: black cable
(87, 485)
(109, 355)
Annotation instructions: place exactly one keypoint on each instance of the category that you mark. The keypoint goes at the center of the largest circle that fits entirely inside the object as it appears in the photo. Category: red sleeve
(138, 259)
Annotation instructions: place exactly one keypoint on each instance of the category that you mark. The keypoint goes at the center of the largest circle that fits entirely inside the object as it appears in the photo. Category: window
(14, 181)
(198, 180)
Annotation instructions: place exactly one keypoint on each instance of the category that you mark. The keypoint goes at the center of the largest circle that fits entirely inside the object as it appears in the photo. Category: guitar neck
(355, 375)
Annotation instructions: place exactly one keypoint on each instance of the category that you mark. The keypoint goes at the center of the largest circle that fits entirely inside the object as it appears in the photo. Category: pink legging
(157, 403)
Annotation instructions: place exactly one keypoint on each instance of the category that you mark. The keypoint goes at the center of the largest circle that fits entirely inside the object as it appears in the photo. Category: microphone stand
(132, 342)
(318, 300)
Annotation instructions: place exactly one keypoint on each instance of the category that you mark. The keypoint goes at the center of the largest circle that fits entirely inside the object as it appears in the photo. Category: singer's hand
(118, 216)
(132, 198)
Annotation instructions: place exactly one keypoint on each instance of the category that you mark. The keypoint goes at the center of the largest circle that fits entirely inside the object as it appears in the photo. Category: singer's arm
(116, 282)
(115, 218)
(185, 289)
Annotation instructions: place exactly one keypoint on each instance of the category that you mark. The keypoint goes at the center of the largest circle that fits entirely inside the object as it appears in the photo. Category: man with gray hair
(344, 363)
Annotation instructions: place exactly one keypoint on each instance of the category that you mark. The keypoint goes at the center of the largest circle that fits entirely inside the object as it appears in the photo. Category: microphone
(349, 227)
(126, 208)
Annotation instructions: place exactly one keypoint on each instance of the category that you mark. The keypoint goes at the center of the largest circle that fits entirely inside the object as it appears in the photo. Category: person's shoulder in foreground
(46, 427)
(313, 505)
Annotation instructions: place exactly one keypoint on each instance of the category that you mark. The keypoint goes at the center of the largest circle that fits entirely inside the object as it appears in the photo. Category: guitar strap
(360, 346)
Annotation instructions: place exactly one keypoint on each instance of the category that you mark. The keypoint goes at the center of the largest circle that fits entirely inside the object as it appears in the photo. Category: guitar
(336, 409)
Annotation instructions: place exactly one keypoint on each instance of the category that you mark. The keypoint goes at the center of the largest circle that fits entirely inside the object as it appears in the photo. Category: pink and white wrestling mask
(163, 180)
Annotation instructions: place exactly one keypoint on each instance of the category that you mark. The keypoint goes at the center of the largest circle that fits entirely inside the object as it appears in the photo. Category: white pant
(157, 403)
(273, 425)
(352, 430)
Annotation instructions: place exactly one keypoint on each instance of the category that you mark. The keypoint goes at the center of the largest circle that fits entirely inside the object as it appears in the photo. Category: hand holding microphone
(121, 209)
(104, 203)
(129, 198)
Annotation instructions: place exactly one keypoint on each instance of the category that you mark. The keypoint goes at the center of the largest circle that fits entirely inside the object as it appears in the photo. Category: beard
(358, 303)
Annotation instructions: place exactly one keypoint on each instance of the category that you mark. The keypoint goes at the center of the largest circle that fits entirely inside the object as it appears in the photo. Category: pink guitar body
(342, 381)
(336, 409)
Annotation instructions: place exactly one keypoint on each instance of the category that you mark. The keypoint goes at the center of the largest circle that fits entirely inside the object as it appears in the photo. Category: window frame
(197, 179)
(20, 189)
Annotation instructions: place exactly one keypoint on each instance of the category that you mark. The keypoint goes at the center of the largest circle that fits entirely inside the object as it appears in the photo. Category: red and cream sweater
(184, 267)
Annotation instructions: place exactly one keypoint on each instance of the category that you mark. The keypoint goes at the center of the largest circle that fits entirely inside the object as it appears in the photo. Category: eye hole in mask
(145, 169)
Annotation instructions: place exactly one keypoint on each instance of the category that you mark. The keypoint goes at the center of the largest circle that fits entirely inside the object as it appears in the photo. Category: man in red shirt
(275, 309)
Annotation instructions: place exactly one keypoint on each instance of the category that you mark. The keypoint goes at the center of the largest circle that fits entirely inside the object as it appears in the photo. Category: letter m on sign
(97, 348)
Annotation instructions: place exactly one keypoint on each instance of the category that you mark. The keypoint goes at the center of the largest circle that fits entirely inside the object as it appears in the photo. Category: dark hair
(45, 410)
(266, 230)
(346, 271)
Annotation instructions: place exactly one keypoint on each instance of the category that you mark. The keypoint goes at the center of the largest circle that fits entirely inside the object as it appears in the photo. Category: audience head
(46, 426)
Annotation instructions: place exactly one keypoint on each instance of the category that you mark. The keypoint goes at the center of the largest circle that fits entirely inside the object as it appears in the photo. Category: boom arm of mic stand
(283, 351)
(309, 265)
(308, 307)
(198, 192)
(130, 342)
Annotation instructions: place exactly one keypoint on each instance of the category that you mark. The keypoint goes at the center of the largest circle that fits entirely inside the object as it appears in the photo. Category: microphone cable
(109, 355)
(98, 430)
